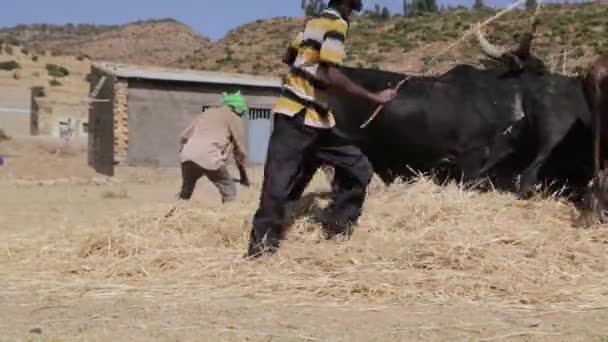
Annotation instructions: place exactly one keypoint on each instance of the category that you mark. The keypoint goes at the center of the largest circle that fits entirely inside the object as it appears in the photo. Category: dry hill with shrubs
(408, 43)
(161, 41)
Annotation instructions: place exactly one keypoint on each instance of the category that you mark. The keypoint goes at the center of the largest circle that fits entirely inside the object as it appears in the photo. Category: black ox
(513, 118)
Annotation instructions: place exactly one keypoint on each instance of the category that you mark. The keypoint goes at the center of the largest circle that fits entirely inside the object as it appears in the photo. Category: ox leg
(470, 163)
(529, 177)
(387, 176)
(499, 151)
(503, 146)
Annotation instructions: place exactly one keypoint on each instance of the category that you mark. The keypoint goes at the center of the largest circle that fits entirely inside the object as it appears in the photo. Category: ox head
(517, 59)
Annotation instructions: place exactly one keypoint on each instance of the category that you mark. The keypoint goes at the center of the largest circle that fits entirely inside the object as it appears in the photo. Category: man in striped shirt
(302, 131)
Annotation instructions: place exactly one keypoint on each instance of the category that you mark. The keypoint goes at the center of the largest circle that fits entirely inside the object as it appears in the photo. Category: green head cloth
(236, 101)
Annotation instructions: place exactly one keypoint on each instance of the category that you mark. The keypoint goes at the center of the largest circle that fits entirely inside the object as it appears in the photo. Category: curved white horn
(488, 48)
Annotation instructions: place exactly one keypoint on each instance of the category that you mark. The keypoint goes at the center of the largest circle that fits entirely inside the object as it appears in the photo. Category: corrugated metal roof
(182, 75)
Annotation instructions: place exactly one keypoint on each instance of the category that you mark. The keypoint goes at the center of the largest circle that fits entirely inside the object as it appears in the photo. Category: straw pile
(415, 242)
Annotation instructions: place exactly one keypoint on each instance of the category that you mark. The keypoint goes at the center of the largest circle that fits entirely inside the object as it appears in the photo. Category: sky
(212, 18)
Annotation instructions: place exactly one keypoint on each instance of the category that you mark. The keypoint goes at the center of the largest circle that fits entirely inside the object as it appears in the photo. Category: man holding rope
(303, 130)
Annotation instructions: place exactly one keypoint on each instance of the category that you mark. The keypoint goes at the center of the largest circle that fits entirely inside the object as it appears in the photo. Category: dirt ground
(86, 258)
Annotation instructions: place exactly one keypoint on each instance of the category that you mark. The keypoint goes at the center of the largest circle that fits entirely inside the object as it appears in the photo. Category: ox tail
(595, 112)
(599, 104)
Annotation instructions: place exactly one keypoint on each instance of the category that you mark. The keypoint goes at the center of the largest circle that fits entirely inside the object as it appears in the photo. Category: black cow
(469, 119)
(557, 114)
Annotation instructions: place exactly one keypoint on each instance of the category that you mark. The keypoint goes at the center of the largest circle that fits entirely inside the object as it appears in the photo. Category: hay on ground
(415, 242)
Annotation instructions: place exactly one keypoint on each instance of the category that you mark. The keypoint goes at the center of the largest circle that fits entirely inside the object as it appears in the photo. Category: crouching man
(207, 144)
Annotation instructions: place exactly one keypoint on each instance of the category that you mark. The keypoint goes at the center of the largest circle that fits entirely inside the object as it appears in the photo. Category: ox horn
(488, 48)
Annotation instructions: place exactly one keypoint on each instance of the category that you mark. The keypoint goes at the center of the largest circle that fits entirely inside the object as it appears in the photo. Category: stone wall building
(136, 113)
(57, 117)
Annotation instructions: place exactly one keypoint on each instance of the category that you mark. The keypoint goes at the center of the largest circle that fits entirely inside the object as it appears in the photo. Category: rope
(377, 111)
(451, 46)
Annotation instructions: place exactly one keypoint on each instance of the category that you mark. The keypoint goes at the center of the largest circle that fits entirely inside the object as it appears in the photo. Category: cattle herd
(513, 122)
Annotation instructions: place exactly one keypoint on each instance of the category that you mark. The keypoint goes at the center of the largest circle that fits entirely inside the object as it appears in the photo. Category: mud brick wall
(121, 122)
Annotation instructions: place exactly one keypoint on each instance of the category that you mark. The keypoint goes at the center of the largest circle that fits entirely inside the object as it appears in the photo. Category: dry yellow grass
(415, 243)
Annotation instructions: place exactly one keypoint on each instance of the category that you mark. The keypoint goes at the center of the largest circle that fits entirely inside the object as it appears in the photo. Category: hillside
(158, 42)
(408, 44)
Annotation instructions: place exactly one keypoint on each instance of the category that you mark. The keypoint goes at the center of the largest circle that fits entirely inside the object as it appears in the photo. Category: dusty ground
(84, 258)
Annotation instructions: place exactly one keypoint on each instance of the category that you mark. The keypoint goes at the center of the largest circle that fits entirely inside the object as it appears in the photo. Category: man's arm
(240, 155)
(332, 55)
(292, 50)
(186, 134)
(338, 80)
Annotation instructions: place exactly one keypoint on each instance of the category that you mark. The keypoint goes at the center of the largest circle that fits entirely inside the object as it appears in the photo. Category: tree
(431, 6)
(386, 14)
(407, 8)
(425, 6)
(478, 4)
(531, 4)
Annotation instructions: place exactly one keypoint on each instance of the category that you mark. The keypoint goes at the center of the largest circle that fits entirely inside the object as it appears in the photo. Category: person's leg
(352, 176)
(191, 172)
(305, 175)
(289, 144)
(224, 183)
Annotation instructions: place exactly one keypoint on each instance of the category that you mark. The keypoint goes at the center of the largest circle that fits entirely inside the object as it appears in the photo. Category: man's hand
(243, 175)
(333, 77)
(385, 96)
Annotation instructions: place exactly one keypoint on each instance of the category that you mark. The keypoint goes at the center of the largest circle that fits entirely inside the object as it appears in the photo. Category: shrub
(25, 51)
(8, 49)
(34, 58)
(9, 66)
(4, 136)
(12, 40)
(121, 194)
(55, 70)
(54, 83)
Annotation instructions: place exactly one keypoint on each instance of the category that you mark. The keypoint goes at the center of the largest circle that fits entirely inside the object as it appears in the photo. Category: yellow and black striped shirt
(321, 42)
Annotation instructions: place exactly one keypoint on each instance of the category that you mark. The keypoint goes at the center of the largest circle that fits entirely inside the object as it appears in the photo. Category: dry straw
(416, 242)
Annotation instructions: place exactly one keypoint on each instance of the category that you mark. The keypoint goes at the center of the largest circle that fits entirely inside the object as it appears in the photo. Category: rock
(36, 331)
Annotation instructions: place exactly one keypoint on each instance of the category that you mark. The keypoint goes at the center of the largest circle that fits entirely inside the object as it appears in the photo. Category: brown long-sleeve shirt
(212, 137)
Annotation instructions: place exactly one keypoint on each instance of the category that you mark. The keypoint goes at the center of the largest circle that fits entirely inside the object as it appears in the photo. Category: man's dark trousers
(291, 145)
